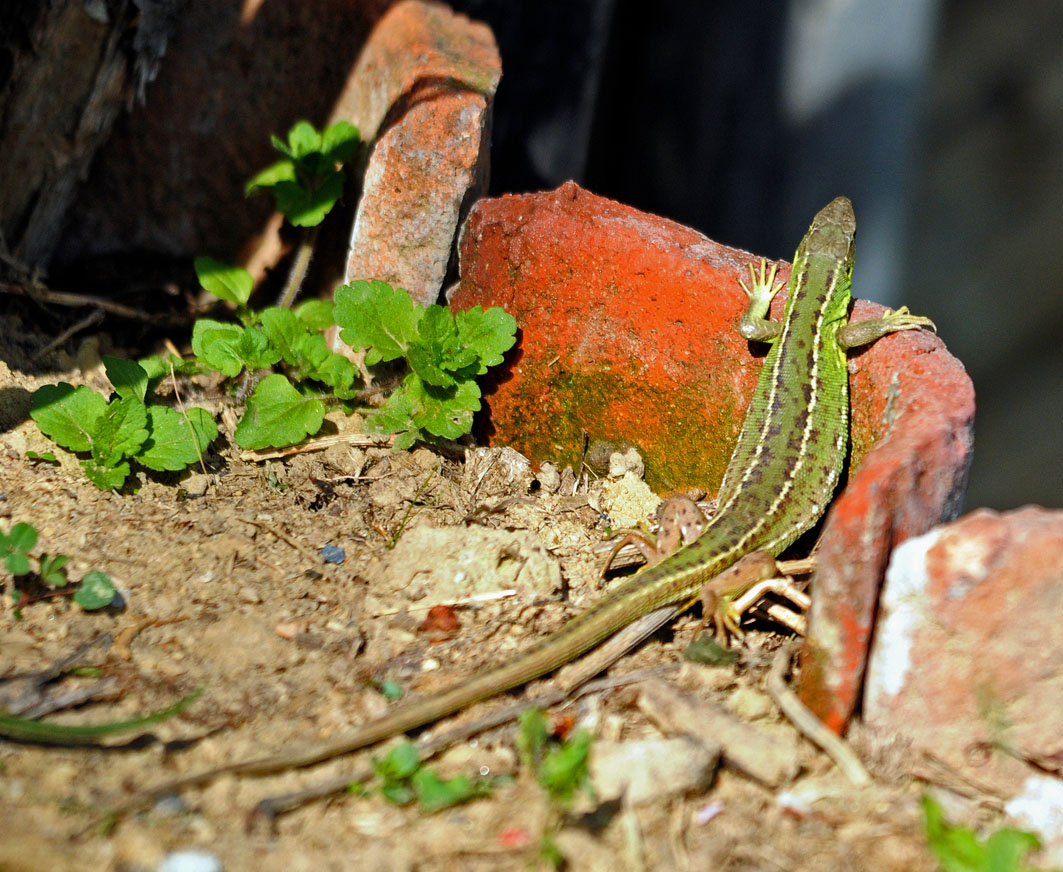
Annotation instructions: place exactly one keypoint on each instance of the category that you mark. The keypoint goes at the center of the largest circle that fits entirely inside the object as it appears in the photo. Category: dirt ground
(225, 588)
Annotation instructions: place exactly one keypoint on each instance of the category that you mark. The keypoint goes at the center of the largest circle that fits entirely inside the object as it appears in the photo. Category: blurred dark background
(941, 119)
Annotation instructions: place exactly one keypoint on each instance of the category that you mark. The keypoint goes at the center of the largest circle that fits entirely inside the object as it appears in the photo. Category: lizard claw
(902, 319)
(764, 287)
(727, 621)
(643, 542)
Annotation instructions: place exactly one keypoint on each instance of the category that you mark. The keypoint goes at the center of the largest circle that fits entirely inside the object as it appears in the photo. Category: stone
(768, 755)
(416, 42)
(197, 484)
(912, 407)
(628, 502)
(651, 770)
(968, 657)
(191, 861)
(442, 566)
(1039, 809)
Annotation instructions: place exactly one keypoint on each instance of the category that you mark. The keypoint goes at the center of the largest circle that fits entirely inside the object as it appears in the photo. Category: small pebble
(749, 704)
(333, 554)
(651, 770)
(289, 629)
(196, 485)
(250, 595)
(190, 861)
(626, 461)
(170, 806)
(549, 478)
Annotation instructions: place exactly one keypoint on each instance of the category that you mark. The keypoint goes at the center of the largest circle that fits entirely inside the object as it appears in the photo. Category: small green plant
(705, 649)
(308, 180)
(278, 412)
(95, 591)
(15, 547)
(444, 352)
(403, 780)
(390, 690)
(561, 768)
(958, 849)
(306, 183)
(126, 427)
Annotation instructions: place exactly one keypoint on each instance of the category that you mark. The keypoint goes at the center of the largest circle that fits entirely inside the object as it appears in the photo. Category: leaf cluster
(445, 354)
(284, 408)
(95, 591)
(958, 849)
(403, 780)
(308, 180)
(562, 768)
(282, 357)
(126, 427)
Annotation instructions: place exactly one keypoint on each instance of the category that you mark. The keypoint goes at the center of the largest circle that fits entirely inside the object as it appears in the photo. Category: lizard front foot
(761, 292)
(681, 523)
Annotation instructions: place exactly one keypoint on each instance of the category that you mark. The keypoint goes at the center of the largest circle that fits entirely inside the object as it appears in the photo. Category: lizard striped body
(787, 462)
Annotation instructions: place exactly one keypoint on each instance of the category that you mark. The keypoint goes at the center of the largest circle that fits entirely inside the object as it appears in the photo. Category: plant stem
(298, 271)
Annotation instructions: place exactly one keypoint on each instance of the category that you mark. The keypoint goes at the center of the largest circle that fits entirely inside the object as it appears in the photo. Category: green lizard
(785, 467)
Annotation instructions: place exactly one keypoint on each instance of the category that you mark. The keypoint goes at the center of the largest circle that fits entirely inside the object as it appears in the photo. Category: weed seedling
(306, 183)
(95, 590)
(127, 427)
(276, 360)
(404, 780)
(561, 768)
(444, 354)
(958, 849)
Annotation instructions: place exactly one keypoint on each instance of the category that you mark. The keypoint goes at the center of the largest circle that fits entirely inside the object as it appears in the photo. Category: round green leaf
(176, 440)
(278, 415)
(96, 591)
(230, 283)
(22, 537)
(68, 415)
